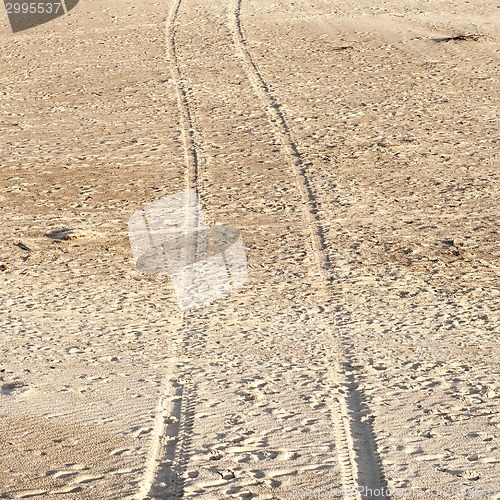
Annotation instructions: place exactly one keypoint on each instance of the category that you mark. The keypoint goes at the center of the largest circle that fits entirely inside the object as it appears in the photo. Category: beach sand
(355, 148)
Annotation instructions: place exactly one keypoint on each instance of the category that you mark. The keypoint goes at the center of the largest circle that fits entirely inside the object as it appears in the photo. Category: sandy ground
(356, 148)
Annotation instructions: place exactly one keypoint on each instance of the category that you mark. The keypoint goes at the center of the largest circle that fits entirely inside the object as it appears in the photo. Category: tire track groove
(358, 461)
(284, 136)
(167, 455)
(186, 119)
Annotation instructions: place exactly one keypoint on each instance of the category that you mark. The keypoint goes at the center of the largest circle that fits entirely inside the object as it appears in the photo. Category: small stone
(471, 475)
(66, 234)
(385, 143)
(22, 246)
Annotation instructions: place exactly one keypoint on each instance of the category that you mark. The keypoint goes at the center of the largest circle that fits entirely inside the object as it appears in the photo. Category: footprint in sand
(288, 455)
(120, 451)
(65, 473)
(86, 478)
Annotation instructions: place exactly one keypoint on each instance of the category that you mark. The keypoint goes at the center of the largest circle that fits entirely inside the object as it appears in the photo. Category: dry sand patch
(361, 139)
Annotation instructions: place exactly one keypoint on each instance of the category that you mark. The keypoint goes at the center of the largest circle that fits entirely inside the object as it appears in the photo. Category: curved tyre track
(186, 117)
(358, 459)
(297, 164)
(167, 456)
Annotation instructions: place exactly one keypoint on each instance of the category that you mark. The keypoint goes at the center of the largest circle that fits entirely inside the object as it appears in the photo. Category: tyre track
(168, 452)
(162, 448)
(284, 136)
(186, 117)
(358, 459)
(173, 427)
